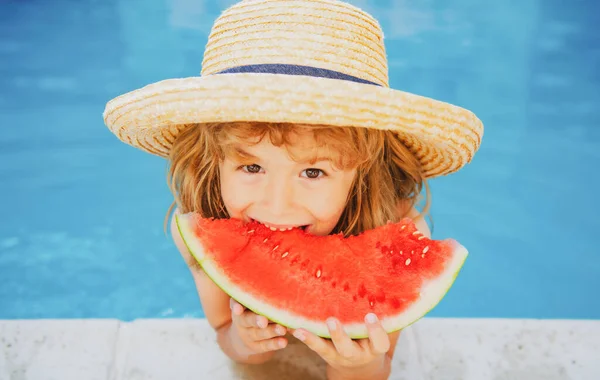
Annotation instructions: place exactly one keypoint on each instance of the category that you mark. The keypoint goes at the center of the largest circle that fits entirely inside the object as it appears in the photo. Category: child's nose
(278, 197)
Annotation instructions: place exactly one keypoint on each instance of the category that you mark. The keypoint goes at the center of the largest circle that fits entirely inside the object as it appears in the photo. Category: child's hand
(343, 353)
(257, 333)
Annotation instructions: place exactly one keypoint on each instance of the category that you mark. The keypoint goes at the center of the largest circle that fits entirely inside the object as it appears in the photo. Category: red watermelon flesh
(299, 280)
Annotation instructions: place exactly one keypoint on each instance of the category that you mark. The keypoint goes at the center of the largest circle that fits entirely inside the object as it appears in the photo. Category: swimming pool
(82, 236)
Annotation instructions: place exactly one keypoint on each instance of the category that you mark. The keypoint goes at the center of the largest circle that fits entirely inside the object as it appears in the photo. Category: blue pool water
(81, 228)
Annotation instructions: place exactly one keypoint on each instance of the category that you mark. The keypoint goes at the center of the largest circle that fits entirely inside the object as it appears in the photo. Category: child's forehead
(297, 140)
(305, 150)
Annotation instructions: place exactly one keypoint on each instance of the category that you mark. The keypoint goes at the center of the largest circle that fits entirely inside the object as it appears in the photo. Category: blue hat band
(295, 70)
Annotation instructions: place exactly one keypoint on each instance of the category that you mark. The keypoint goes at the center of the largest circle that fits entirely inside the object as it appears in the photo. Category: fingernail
(331, 325)
(282, 344)
(371, 318)
(279, 330)
(299, 335)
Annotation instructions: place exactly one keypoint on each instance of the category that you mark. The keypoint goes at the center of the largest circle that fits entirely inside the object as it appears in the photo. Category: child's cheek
(238, 194)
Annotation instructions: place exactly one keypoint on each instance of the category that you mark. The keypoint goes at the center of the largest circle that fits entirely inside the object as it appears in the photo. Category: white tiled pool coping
(465, 349)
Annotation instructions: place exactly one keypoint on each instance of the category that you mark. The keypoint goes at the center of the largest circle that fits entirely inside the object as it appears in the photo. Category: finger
(345, 346)
(235, 307)
(251, 319)
(242, 316)
(248, 319)
(378, 338)
(272, 331)
(271, 344)
(323, 347)
(261, 321)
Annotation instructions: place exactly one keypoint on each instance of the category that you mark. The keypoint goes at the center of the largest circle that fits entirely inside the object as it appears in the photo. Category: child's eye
(253, 169)
(313, 173)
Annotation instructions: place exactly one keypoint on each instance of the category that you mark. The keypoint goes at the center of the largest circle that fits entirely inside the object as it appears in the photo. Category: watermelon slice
(299, 280)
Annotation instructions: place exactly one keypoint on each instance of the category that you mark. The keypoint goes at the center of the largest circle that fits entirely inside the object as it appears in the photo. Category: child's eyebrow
(245, 155)
(315, 159)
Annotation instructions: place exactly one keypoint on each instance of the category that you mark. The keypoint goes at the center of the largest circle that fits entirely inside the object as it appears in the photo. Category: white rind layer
(431, 293)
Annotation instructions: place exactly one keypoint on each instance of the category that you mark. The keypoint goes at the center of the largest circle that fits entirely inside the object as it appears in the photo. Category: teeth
(278, 229)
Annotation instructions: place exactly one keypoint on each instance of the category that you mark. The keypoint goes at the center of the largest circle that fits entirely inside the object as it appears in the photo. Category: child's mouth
(282, 228)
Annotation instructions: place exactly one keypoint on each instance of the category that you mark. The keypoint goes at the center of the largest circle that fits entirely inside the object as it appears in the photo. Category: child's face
(274, 189)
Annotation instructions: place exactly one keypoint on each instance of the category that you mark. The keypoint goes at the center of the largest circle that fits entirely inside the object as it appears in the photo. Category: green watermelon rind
(358, 330)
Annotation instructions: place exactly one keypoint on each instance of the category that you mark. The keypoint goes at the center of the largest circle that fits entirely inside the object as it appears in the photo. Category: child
(292, 124)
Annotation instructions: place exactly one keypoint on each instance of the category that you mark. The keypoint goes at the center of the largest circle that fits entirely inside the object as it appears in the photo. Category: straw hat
(298, 61)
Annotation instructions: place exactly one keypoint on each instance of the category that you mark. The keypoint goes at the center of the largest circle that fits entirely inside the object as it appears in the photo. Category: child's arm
(216, 306)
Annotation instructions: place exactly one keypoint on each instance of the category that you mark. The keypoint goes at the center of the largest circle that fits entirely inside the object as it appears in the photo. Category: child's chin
(311, 231)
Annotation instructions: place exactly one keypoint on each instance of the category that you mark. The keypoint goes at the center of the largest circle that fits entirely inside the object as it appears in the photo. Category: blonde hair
(387, 184)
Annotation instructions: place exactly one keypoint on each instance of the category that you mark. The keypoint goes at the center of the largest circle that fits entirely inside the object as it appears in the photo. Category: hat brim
(444, 137)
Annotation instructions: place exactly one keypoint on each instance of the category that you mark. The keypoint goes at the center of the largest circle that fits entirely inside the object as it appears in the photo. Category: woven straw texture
(325, 34)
